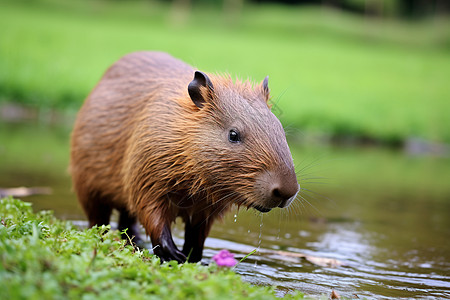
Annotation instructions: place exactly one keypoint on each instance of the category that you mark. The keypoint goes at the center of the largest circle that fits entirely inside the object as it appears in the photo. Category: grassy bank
(331, 73)
(45, 258)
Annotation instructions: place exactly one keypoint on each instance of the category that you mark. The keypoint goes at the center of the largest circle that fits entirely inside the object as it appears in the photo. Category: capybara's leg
(128, 221)
(195, 234)
(99, 214)
(96, 208)
(164, 247)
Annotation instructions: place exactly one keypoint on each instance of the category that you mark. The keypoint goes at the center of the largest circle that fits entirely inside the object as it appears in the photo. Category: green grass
(45, 258)
(331, 73)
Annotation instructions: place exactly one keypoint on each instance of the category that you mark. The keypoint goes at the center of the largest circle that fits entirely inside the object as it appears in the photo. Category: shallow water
(383, 215)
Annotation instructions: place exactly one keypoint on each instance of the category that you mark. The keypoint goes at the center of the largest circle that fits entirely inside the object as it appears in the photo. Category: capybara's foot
(165, 248)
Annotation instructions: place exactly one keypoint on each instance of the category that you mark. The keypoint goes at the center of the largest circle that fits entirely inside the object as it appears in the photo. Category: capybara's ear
(200, 82)
(265, 89)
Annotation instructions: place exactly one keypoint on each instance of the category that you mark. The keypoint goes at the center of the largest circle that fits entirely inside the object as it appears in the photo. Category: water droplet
(235, 218)
(260, 232)
(279, 227)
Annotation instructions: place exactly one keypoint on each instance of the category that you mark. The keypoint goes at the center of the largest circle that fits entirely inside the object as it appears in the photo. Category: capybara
(157, 140)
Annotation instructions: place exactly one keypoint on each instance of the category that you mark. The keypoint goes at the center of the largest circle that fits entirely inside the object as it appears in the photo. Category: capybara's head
(239, 147)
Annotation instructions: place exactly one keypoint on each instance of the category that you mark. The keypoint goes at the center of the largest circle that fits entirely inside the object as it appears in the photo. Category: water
(383, 215)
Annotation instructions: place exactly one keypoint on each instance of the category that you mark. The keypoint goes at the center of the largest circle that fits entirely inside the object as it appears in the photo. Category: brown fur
(140, 145)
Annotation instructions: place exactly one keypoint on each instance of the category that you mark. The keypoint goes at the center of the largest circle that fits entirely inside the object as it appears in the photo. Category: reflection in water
(347, 242)
(388, 222)
(342, 241)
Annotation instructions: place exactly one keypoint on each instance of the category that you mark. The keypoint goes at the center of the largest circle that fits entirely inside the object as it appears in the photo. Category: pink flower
(225, 259)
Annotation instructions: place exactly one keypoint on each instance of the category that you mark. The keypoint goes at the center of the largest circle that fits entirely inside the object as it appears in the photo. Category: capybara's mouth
(261, 209)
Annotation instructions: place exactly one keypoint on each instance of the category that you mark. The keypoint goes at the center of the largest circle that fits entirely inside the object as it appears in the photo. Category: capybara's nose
(285, 192)
(280, 188)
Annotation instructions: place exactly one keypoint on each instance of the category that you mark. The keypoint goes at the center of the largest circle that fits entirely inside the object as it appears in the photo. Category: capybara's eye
(234, 136)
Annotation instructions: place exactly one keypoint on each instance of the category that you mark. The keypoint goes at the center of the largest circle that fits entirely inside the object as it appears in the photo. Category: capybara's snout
(277, 189)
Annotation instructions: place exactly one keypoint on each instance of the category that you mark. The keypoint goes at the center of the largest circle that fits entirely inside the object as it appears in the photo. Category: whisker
(305, 168)
(314, 177)
(315, 182)
(311, 205)
(317, 194)
(217, 202)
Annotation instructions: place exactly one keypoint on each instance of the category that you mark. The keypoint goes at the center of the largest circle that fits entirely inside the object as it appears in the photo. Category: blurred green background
(366, 71)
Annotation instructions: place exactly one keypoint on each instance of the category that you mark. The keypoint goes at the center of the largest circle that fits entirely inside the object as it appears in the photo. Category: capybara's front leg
(129, 222)
(165, 248)
(195, 234)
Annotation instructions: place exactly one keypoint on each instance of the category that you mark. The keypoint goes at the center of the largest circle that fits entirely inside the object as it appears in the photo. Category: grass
(331, 73)
(46, 258)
